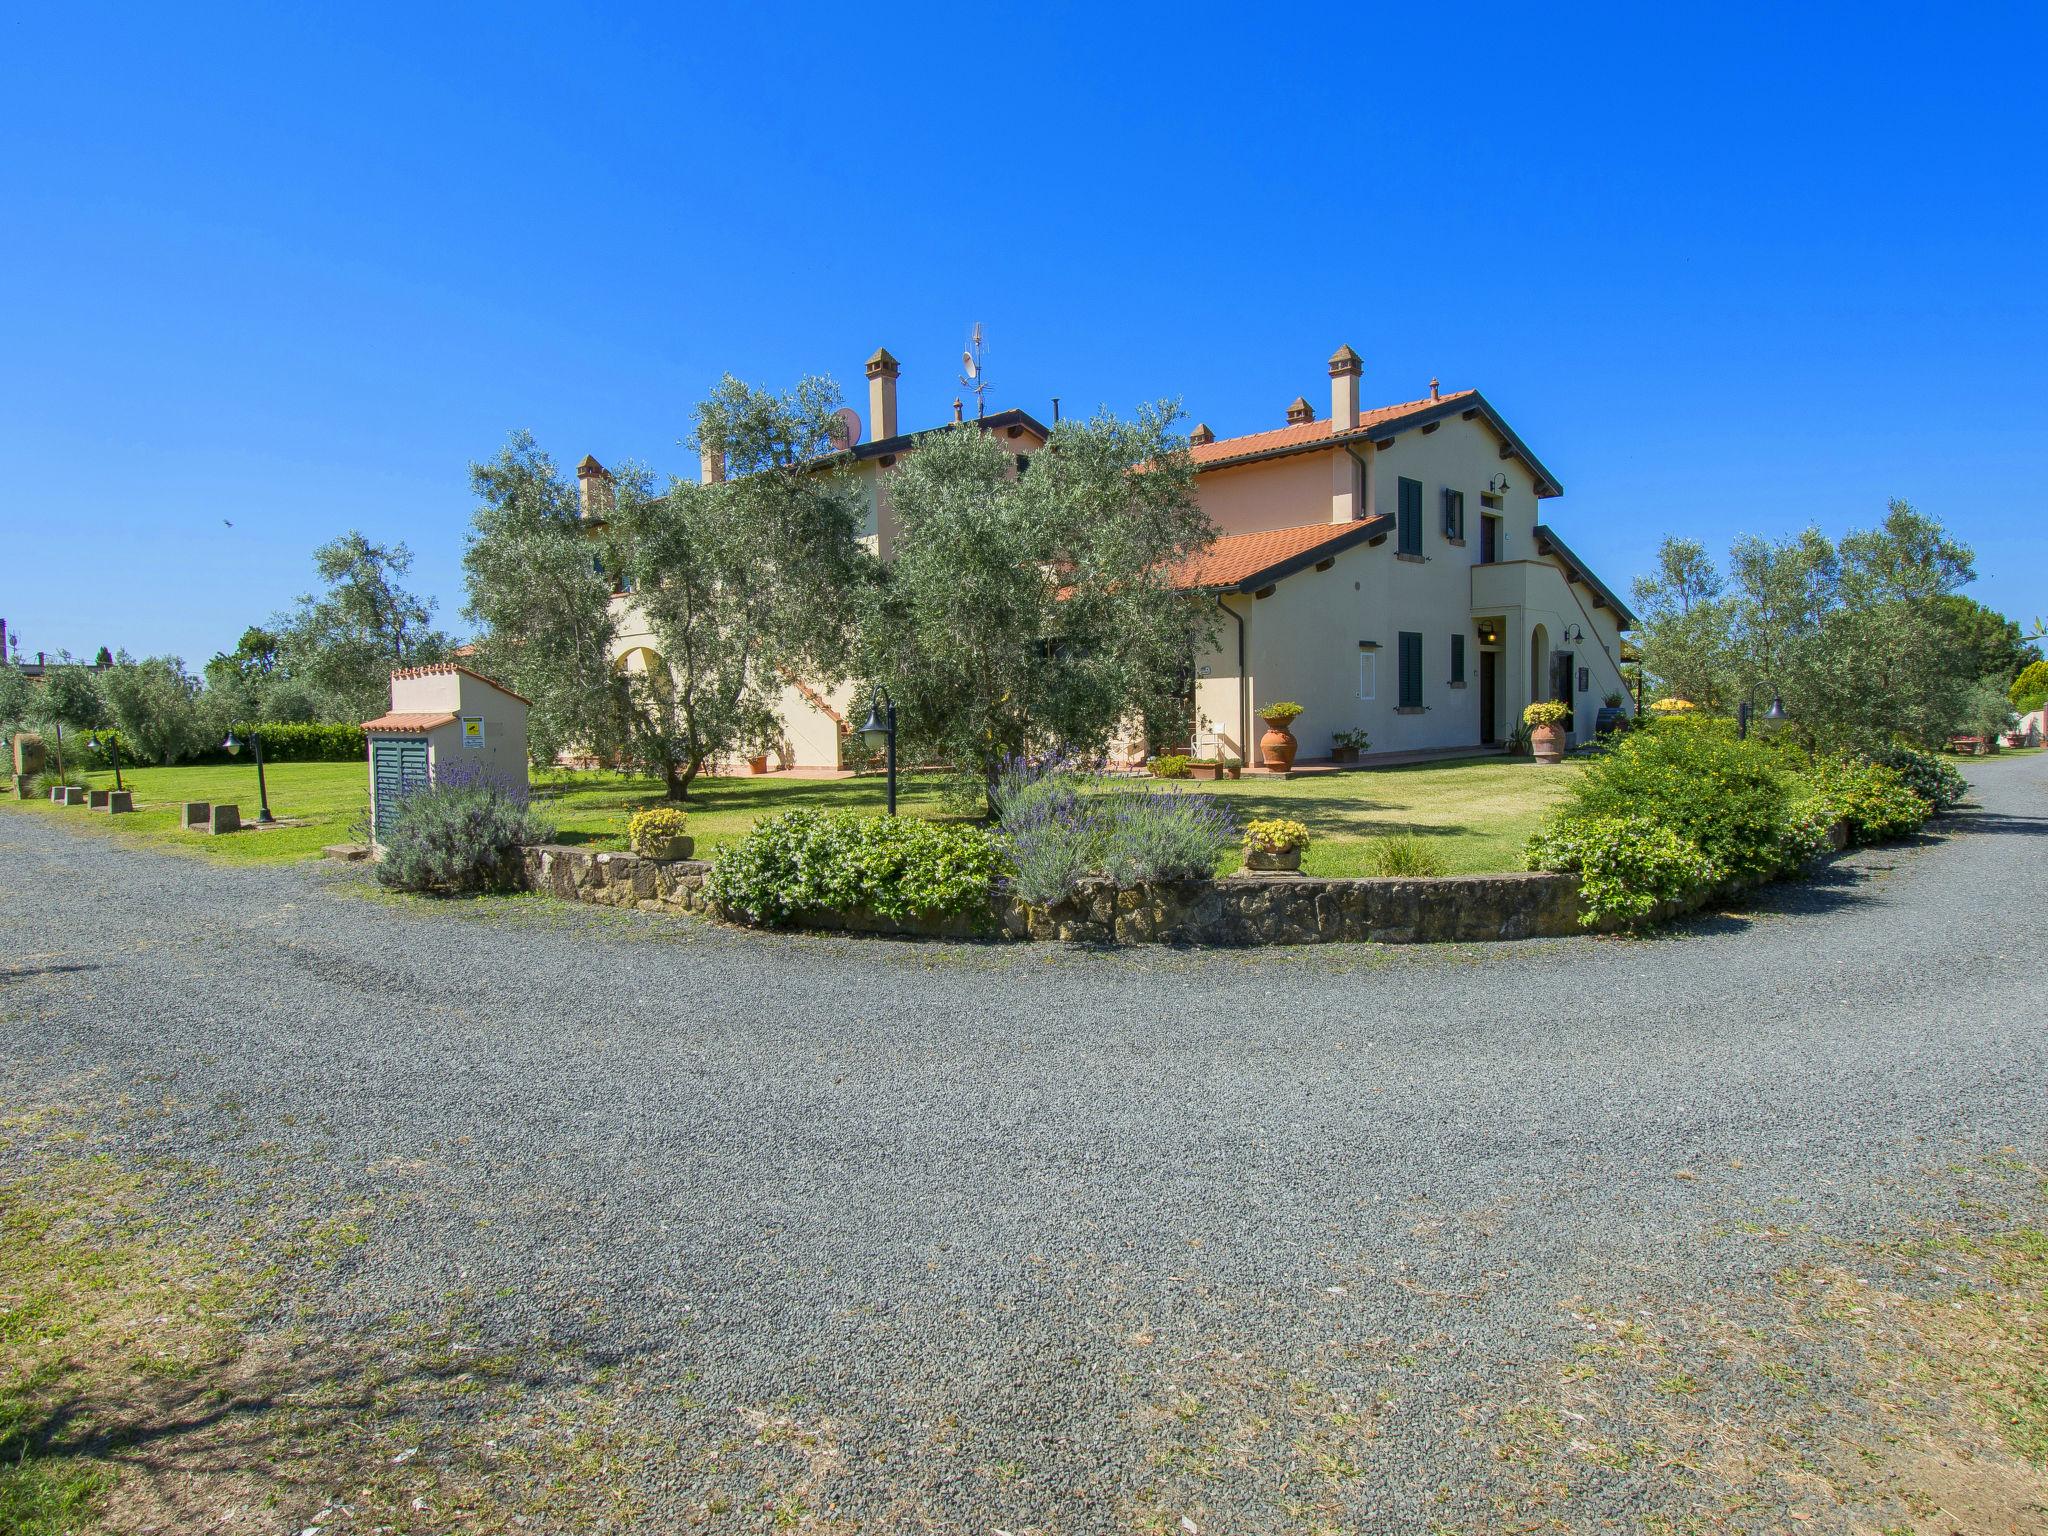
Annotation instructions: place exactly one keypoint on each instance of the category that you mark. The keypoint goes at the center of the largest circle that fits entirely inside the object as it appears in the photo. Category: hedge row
(295, 743)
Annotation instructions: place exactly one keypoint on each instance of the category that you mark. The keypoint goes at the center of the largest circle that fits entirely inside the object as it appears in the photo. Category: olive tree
(539, 589)
(1032, 609)
(744, 582)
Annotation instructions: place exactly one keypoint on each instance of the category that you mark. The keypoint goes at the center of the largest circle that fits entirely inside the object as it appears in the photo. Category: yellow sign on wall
(472, 730)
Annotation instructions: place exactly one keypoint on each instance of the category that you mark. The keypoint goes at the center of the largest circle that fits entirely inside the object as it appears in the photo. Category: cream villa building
(1386, 568)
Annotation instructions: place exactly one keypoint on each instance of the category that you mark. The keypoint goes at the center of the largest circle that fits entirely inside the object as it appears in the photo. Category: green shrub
(1403, 855)
(455, 838)
(1174, 765)
(1876, 801)
(50, 779)
(1546, 712)
(1628, 866)
(1728, 798)
(840, 861)
(2029, 688)
(1059, 827)
(1939, 782)
(313, 742)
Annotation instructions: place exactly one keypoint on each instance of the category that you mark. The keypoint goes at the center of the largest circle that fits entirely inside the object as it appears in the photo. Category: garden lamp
(1774, 713)
(232, 747)
(880, 735)
(113, 753)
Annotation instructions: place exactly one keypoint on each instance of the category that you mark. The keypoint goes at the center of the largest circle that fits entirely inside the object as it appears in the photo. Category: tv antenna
(974, 378)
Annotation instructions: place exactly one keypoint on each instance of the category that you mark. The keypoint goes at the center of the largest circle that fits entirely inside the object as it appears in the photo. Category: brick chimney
(1345, 366)
(882, 372)
(594, 489)
(1300, 412)
(1201, 434)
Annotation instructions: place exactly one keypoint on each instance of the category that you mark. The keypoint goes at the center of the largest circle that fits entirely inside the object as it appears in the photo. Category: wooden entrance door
(1489, 696)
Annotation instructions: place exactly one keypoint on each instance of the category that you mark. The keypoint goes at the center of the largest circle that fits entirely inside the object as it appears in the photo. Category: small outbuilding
(446, 724)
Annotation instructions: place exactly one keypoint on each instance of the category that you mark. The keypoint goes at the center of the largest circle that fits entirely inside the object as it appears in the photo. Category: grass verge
(1476, 814)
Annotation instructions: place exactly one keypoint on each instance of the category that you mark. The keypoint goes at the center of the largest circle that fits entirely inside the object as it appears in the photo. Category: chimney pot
(1345, 367)
(1201, 434)
(1434, 392)
(958, 419)
(1300, 411)
(882, 373)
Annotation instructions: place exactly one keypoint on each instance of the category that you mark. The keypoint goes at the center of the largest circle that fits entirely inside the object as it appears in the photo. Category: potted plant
(658, 834)
(1274, 845)
(1349, 742)
(1233, 767)
(1278, 746)
(1545, 719)
(1171, 765)
(1204, 768)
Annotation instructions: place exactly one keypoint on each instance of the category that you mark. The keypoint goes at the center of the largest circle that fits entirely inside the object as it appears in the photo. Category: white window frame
(1368, 676)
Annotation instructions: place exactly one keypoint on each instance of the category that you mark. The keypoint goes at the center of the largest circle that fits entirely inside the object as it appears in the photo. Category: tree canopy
(1863, 640)
(744, 583)
(538, 587)
(1030, 609)
(344, 643)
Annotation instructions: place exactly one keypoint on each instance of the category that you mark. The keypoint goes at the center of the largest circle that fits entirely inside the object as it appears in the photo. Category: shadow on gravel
(1972, 818)
(24, 972)
(1830, 888)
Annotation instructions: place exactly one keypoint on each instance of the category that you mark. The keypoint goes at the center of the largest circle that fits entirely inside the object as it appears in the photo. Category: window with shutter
(1457, 658)
(1411, 670)
(1454, 514)
(1408, 519)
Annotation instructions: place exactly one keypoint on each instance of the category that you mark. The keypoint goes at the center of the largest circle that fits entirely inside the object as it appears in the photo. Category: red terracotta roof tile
(404, 722)
(1237, 557)
(1310, 434)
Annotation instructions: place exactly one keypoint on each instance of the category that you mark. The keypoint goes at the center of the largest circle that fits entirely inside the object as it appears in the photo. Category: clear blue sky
(293, 267)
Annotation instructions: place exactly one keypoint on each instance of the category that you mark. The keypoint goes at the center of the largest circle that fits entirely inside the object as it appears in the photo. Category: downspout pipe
(1244, 697)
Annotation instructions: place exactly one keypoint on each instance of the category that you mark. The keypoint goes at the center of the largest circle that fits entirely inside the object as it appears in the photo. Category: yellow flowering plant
(1546, 712)
(1276, 836)
(650, 828)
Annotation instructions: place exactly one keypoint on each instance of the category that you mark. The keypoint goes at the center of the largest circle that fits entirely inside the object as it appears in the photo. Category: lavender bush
(460, 835)
(1062, 826)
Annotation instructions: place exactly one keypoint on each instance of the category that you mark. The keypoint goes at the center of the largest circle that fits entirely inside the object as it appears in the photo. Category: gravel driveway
(1028, 1239)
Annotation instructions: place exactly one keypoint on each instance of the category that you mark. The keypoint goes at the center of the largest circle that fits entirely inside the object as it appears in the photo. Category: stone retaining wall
(1238, 910)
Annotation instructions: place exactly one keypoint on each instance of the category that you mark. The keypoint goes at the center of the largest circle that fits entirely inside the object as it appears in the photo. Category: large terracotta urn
(1547, 742)
(1278, 746)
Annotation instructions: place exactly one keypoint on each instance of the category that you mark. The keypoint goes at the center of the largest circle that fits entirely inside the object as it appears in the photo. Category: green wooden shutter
(1409, 522)
(1457, 658)
(1411, 670)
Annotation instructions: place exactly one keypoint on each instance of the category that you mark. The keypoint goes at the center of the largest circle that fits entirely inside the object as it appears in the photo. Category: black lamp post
(1774, 713)
(232, 746)
(113, 752)
(880, 735)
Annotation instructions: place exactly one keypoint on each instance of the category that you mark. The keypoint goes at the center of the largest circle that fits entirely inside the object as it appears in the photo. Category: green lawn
(1477, 813)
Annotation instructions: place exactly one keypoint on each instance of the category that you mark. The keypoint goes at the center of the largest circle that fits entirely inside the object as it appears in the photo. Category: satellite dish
(967, 362)
(845, 428)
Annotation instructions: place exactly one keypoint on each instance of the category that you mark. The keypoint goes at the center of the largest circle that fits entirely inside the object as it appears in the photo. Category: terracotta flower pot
(1278, 746)
(758, 764)
(1204, 770)
(664, 849)
(1343, 754)
(1261, 859)
(1547, 741)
